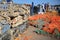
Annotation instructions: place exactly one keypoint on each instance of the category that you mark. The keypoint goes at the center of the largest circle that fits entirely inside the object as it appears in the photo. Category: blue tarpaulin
(6, 28)
(8, 0)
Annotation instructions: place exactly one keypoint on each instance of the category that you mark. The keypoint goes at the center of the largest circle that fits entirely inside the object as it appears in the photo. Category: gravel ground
(30, 35)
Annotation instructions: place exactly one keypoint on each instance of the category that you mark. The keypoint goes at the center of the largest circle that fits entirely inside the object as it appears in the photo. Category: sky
(52, 2)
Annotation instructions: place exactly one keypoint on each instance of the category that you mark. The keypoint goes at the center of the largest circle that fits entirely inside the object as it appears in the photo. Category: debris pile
(50, 23)
(13, 19)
